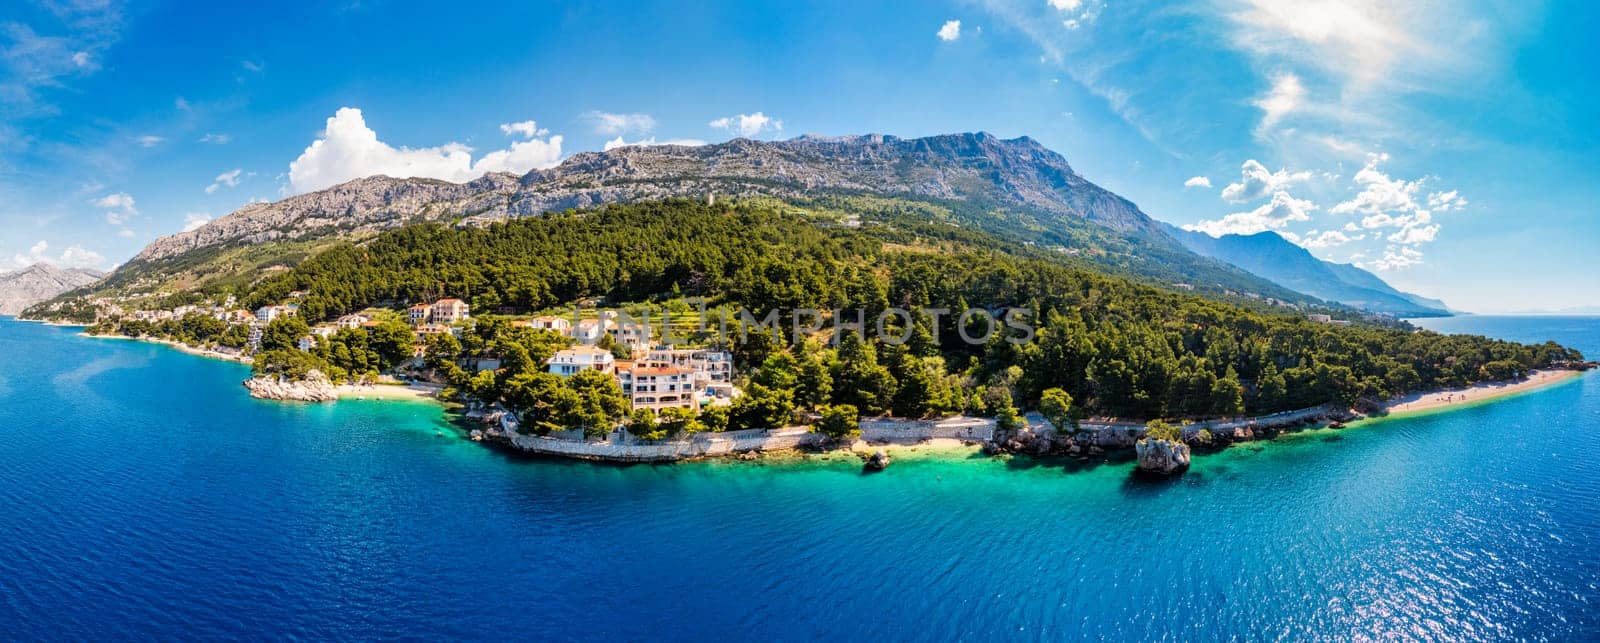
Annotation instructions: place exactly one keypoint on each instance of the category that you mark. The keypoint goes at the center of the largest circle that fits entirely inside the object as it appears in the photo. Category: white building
(351, 321)
(570, 361)
(663, 388)
(551, 323)
(712, 369)
(589, 331)
(448, 311)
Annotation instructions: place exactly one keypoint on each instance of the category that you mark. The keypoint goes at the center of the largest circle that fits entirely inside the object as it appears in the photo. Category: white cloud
(1446, 201)
(121, 200)
(619, 142)
(193, 220)
(1282, 210)
(1066, 5)
(226, 179)
(1285, 96)
(125, 233)
(348, 149)
(120, 207)
(1395, 258)
(74, 256)
(1255, 182)
(1197, 182)
(1388, 202)
(1328, 239)
(77, 257)
(525, 129)
(1361, 39)
(216, 139)
(81, 59)
(1415, 234)
(1379, 193)
(150, 140)
(747, 125)
(950, 31)
(611, 124)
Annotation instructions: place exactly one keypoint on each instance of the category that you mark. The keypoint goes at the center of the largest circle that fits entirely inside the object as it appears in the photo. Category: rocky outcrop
(22, 288)
(958, 167)
(314, 388)
(1163, 457)
(878, 461)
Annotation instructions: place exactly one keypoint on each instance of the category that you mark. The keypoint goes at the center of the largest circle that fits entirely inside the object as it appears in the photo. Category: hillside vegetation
(1113, 346)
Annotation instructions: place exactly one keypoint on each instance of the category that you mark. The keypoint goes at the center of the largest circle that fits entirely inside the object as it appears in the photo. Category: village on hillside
(652, 374)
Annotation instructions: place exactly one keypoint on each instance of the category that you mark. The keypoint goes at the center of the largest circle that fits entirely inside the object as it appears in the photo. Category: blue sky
(1450, 147)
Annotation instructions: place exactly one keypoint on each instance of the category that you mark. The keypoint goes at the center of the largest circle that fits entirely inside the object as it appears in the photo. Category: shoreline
(1442, 401)
(1410, 405)
(179, 346)
(388, 392)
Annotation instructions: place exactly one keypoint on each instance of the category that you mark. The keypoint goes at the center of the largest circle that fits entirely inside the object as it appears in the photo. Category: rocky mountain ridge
(38, 282)
(957, 167)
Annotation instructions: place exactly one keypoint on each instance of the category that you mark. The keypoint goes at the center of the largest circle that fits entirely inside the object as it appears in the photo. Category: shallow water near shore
(143, 493)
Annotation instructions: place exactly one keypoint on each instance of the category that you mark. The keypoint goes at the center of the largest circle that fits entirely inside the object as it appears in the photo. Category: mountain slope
(1273, 257)
(1014, 188)
(38, 282)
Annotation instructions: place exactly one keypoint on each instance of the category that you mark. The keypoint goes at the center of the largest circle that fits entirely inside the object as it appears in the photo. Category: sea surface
(144, 495)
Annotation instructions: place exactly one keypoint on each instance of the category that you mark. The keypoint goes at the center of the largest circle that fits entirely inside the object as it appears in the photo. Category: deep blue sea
(144, 495)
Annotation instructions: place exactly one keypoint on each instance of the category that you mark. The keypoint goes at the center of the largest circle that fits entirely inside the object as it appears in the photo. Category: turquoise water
(143, 494)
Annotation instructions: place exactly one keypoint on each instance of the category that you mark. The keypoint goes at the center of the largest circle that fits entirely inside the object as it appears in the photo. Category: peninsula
(954, 287)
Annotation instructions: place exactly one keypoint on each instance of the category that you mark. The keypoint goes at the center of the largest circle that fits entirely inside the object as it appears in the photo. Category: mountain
(1271, 256)
(1014, 188)
(958, 167)
(38, 282)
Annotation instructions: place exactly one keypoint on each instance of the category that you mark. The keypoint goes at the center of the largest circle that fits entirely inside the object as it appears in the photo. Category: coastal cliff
(314, 388)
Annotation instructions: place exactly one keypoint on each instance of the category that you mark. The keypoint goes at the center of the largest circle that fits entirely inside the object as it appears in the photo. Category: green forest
(1104, 345)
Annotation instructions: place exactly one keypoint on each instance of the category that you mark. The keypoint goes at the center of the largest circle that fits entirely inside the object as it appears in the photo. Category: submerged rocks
(1164, 457)
(878, 461)
(314, 388)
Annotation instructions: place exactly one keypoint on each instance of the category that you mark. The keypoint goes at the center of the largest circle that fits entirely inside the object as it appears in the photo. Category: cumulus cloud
(225, 180)
(619, 142)
(1197, 182)
(1388, 202)
(950, 31)
(119, 207)
(525, 129)
(611, 124)
(347, 149)
(216, 139)
(1066, 5)
(1282, 210)
(1255, 182)
(1395, 258)
(1379, 192)
(1328, 239)
(194, 220)
(747, 125)
(1285, 97)
(1446, 201)
(73, 256)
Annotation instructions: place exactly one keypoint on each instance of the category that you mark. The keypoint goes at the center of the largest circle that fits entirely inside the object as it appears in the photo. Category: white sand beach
(1454, 397)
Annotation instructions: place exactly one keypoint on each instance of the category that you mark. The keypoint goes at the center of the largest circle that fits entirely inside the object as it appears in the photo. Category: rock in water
(1164, 457)
(314, 388)
(879, 461)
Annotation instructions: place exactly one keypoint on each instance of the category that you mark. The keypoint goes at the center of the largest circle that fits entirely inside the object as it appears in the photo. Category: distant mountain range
(1015, 188)
(38, 282)
(1271, 256)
